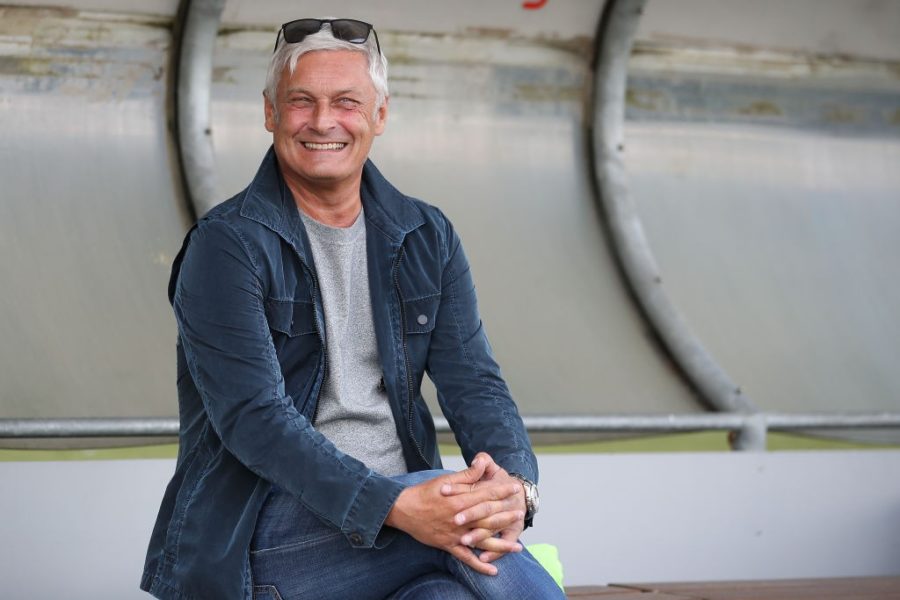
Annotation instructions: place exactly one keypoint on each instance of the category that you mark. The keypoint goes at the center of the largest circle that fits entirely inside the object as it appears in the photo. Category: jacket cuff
(521, 465)
(370, 508)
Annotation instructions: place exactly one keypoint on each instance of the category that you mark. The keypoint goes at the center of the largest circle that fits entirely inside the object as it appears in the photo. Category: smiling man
(309, 308)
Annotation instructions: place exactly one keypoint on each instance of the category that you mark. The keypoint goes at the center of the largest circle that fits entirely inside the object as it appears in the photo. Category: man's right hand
(430, 517)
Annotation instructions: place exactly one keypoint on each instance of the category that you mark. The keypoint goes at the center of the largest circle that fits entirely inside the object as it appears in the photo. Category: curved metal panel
(614, 47)
(89, 217)
(766, 177)
(489, 125)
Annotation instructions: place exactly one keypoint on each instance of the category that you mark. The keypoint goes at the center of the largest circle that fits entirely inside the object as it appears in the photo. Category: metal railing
(750, 430)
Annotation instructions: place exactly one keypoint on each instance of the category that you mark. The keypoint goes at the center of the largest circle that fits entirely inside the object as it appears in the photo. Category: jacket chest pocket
(421, 314)
(291, 318)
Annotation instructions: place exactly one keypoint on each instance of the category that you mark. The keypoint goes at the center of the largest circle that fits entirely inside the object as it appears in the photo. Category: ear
(381, 117)
(271, 117)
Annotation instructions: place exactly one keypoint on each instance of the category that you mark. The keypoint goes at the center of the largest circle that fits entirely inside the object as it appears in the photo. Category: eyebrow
(301, 90)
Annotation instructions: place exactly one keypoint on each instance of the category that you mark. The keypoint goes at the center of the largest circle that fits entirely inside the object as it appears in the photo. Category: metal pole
(615, 37)
(192, 94)
(751, 429)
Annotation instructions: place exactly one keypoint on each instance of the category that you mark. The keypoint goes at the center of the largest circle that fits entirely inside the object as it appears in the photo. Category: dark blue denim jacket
(251, 362)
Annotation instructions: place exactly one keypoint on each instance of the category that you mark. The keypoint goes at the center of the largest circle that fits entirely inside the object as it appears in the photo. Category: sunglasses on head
(348, 30)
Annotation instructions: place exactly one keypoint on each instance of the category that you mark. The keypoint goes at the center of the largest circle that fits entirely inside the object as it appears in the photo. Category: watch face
(534, 498)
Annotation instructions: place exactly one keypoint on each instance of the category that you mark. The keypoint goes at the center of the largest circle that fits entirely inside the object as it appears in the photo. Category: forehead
(344, 69)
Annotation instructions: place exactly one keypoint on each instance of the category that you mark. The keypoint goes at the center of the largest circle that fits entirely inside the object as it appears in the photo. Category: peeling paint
(548, 93)
(642, 99)
(761, 108)
(94, 55)
(223, 75)
(895, 118)
(841, 114)
(680, 55)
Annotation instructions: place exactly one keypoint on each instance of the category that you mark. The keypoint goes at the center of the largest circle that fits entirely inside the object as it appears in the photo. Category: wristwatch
(532, 497)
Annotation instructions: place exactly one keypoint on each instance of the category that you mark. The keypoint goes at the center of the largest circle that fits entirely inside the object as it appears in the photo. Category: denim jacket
(251, 362)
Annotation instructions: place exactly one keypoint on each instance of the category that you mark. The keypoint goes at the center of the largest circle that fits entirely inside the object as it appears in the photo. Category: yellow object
(548, 556)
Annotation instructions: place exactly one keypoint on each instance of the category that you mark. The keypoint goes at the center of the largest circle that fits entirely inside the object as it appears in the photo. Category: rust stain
(223, 75)
(895, 118)
(404, 79)
(12, 12)
(27, 66)
(234, 30)
(761, 108)
(645, 99)
(412, 96)
(687, 53)
(548, 93)
(841, 115)
(579, 45)
(499, 33)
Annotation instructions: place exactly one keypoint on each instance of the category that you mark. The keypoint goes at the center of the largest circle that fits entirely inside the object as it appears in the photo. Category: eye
(299, 100)
(345, 102)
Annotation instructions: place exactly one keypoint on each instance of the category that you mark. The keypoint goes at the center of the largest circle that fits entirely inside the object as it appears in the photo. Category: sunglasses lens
(296, 31)
(355, 32)
(349, 30)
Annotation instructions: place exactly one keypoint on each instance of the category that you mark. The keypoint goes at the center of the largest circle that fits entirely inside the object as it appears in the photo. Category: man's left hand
(484, 532)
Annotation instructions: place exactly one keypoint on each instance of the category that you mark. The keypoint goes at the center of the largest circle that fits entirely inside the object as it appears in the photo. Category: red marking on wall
(534, 4)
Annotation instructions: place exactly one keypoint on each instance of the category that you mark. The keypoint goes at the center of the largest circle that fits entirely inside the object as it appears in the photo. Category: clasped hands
(479, 507)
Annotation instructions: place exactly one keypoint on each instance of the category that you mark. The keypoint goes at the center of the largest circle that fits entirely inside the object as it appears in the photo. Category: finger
(500, 520)
(497, 491)
(468, 558)
(509, 535)
(497, 546)
(467, 476)
(491, 468)
(483, 510)
(486, 539)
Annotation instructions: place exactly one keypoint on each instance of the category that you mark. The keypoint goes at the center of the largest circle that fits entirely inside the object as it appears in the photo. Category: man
(309, 307)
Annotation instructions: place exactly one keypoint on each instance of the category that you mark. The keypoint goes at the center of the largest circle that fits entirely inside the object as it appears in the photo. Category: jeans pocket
(265, 592)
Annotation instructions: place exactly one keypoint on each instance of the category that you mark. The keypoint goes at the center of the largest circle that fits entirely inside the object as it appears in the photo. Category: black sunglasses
(348, 30)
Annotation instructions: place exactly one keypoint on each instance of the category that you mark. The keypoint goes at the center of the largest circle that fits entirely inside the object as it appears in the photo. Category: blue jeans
(295, 555)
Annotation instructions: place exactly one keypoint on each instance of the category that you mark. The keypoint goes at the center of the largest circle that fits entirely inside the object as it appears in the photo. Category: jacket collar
(268, 201)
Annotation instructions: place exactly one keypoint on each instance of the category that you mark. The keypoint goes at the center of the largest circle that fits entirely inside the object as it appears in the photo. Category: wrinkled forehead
(343, 69)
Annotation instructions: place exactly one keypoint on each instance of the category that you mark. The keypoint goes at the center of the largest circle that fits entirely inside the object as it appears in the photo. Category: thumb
(472, 474)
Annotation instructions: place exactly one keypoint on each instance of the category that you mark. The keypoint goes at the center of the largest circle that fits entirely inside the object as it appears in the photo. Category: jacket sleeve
(471, 391)
(218, 303)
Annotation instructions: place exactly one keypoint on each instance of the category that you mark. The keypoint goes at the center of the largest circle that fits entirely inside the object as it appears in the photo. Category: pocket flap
(291, 318)
(421, 314)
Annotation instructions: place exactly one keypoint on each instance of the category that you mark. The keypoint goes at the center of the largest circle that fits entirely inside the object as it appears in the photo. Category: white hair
(287, 55)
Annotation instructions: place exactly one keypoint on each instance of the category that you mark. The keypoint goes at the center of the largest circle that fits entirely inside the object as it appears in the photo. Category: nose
(322, 117)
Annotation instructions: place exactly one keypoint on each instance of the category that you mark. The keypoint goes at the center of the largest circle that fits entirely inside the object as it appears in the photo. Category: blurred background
(762, 144)
(673, 209)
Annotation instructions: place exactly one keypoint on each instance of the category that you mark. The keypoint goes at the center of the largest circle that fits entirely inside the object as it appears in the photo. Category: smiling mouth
(328, 146)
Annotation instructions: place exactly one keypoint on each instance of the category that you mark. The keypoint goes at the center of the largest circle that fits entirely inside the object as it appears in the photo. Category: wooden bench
(850, 588)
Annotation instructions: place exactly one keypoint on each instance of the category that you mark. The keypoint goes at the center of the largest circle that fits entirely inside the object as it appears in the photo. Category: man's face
(326, 119)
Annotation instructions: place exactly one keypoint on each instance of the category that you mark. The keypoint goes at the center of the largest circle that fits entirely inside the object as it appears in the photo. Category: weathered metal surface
(758, 423)
(617, 30)
(89, 216)
(761, 150)
(767, 181)
(489, 125)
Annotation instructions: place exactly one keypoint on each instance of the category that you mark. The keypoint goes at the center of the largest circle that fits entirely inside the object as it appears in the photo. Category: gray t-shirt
(353, 411)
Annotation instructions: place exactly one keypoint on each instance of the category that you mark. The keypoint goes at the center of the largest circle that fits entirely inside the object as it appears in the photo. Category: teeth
(331, 146)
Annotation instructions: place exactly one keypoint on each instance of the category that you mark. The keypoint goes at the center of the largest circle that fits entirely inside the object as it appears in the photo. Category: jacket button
(422, 319)
(356, 539)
